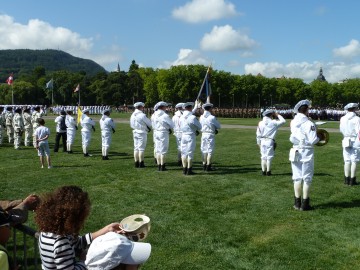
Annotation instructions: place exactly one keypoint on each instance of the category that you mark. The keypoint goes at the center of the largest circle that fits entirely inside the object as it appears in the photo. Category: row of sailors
(18, 121)
(91, 109)
(43, 109)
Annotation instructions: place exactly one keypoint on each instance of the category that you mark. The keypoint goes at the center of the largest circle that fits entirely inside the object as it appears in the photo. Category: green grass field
(232, 218)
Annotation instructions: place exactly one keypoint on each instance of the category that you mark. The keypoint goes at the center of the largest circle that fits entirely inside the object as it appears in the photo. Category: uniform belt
(267, 138)
(303, 147)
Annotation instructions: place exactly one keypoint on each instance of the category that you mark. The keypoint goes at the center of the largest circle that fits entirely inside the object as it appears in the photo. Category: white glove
(196, 104)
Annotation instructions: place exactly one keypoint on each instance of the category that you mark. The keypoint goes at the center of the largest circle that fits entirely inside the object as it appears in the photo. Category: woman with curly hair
(60, 217)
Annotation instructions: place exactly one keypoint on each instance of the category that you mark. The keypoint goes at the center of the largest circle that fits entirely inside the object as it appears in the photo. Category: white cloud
(349, 51)
(225, 38)
(204, 10)
(187, 57)
(333, 72)
(37, 34)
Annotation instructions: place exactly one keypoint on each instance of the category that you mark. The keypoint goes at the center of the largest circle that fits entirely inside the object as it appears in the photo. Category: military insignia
(312, 128)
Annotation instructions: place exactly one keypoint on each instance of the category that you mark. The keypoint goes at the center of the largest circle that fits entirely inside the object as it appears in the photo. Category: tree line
(176, 84)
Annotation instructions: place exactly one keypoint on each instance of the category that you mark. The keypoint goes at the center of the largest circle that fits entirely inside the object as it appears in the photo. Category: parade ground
(231, 218)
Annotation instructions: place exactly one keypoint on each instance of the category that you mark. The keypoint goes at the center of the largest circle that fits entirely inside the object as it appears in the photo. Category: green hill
(23, 61)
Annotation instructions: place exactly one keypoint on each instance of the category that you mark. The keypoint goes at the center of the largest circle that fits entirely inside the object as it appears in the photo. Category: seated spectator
(60, 217)
(18, 209)
(5, 232)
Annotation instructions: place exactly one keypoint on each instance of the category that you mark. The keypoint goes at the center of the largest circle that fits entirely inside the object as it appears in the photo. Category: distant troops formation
(91, 109)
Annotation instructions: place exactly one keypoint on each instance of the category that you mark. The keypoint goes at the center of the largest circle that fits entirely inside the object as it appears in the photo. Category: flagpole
(52, 96)
(79, 96)
(12, 95)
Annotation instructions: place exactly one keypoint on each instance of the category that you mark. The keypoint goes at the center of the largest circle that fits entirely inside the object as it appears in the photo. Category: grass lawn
(232, 218)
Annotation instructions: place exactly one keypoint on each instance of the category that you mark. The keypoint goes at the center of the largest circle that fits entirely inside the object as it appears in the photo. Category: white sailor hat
(179, 105)
(161, 103)
(301, 103)
(267, 111)
(138, 104)
(207, 105)
(187, 104)
(351, 105)
(86, 111)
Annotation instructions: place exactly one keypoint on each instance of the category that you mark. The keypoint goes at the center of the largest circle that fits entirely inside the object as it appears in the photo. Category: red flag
(10, 79)
(77, 88)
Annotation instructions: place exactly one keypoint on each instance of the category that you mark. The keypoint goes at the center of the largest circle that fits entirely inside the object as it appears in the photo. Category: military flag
(10, 80)
(205, 89)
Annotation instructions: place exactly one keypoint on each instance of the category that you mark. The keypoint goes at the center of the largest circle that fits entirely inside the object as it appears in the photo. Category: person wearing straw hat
(350, 128)
(71, 128)
(265, 138)
(177, 130)
(87, 125)
(163, 126)
(141, 125)
(303, 137)
(107, 126)
(209, 128)
(190, 128)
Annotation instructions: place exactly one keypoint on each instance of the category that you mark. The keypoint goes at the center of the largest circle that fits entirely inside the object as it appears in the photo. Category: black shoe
(86, 155)
(155, 160)
(163, 168)
(106, 158)
(55, 151)
(159, 168)
(297, 203)
(209, 168)
(204, 167)
(305, 205)
(185, 171)
(352, 181)
(69, 152)
(137, 164)
(103, 157)
(190, 171)
(142, 165)
(179, 163)
(268, 173)
(264, 173)
(347, 180)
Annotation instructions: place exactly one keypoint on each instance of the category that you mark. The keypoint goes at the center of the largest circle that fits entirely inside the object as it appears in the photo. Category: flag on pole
(50, 84)
(79, 115)
(77, 89)
(10, 80)
(205, 89)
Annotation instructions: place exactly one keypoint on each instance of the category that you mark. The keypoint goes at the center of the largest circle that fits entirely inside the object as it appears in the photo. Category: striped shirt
(58, 252)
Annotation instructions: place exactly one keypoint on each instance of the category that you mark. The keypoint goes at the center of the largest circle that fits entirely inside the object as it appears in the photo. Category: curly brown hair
(63, 211)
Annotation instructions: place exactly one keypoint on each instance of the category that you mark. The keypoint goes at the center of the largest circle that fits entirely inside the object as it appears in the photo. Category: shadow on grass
(70, 166)
(232, 169)
(352, 204)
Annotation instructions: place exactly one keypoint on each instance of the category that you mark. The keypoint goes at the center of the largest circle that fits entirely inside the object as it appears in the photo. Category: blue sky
(272, 37)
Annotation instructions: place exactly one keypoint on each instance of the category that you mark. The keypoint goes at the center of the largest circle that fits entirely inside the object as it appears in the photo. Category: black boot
(86, 155)
(103, 157)
(106, 158)
(209, 168)
(184, 170)
(190, 171)
(142, 164)
(155, 160)
(352, 181)
(268, 173)
(347, 180)
(297, 203)
(264, 173)
(305, 205)
(137, 164)
(179, 163)
(204, 167)
(163, 168)
(159, 168)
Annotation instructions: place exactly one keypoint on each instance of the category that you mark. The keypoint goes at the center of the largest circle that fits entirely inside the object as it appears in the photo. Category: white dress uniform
(9, 125)
(141, 125)
(34, 120)
(209, 127)
(87, 125)
(28, 128)
(2, 126)
(350, 128)
(303, 137)
(177, 128)
(189, 128)
(265, 138)
(18, 125)
(107, 126)
(163, 126)
(70, 131)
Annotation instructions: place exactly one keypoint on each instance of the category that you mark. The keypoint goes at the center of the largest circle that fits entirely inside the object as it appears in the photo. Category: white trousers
(178, 140)
(85, 138)
(303, 169)
(207, 143)
(70, 135)
(351, 154)
(106, 138)
(161, 142)
(140, 141)
(188, 144)
(267, 149)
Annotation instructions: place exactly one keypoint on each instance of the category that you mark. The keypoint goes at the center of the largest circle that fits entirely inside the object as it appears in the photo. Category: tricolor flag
(10, 80)
(77, 89)
(205, 90)
(50, 84)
